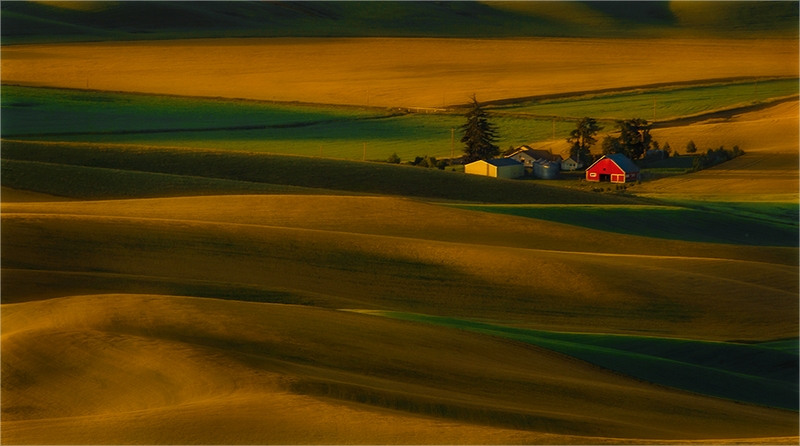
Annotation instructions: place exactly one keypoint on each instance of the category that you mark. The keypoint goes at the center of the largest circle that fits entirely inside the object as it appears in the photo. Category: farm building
(498, 168)
(529, 156)
(545, 170)
(571, 164)
(616, 168)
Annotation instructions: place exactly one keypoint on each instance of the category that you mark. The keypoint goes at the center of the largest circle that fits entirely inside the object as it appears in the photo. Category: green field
(763, 373)
(326, 131)
(109, 171)
(677, 223)
(670, 103)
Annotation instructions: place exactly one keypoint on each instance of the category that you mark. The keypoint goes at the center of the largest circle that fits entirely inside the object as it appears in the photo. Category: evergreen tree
(582, 139)
(634, 139)
(690, 147)
(479, 135)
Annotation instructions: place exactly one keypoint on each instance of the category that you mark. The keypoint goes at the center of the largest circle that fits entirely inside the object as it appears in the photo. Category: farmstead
(616, 168)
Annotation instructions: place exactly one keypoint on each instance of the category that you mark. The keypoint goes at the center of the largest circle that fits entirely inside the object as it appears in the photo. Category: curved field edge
(38, 113)
(189, 353)
(451, 74)
(307, 172)
(668, 222)
(407, 219)
(760, 373)
(705, 298)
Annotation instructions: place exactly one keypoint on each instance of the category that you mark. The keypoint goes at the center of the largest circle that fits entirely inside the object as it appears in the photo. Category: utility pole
(756, 90)
(364, 158)
(654, 110)
(452, 144)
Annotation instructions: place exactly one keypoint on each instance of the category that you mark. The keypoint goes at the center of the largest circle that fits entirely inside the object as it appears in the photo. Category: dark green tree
(690, 147)
(610, 145)
(479, 135)
(582, 139)
(634, 139)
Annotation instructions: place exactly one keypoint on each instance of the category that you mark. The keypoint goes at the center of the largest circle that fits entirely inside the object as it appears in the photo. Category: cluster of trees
(634, 141)
(426, 161)
(713, 157)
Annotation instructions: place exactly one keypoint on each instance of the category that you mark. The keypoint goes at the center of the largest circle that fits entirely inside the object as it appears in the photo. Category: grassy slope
(671, 102)
(159, 362)
(67, 181)
(756, 373)
(292, 249)
(244, 168)
(334, 132)
(53, 21)
(767, 173)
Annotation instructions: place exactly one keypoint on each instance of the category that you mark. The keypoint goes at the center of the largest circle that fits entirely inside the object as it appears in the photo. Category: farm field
(769, 171)
(682, 223)
(203, 241)
(670, 102)
(331, 132)
(97, 171)
(201, 380)
(757, 373)
(388, 72)
(298, 254)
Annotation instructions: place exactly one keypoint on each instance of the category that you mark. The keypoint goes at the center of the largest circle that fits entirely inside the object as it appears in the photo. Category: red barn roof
(622, 161)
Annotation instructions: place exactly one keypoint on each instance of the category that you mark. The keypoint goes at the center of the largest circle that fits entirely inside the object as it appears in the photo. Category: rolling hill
(191, 253)
(79, 21)
(400, 255)
(155, 369)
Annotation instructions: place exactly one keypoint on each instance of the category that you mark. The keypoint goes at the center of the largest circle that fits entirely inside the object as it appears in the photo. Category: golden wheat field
(157, 369)
(390, 72)
(260, 319)
(769, 171)
(298, 246)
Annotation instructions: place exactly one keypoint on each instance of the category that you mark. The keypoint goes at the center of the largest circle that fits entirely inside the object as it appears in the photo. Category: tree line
(634, 141)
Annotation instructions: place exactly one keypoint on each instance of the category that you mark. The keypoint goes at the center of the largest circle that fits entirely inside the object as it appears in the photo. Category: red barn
(616, 168)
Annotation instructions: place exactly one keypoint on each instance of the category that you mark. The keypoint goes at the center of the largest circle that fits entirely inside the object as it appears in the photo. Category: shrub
(394, 159)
